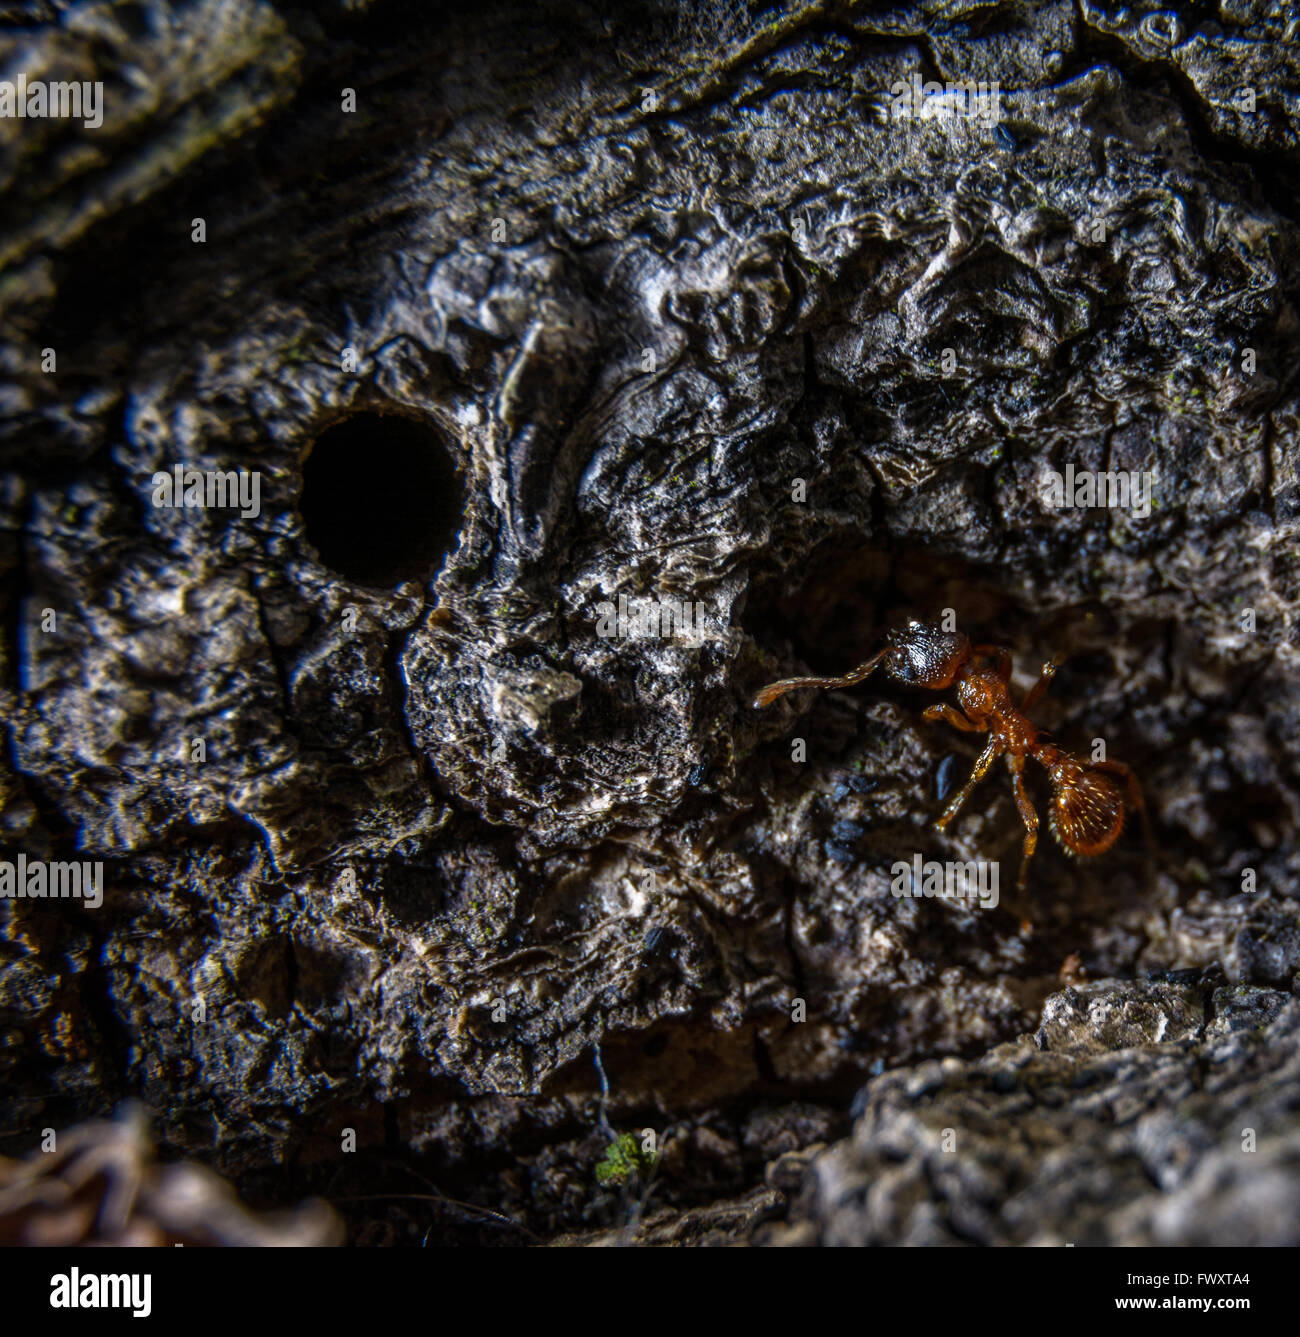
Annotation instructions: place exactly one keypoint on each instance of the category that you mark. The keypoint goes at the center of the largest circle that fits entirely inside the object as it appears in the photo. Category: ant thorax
(985, 699)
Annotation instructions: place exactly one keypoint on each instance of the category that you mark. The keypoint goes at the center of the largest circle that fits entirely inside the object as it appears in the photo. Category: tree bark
(407, 813)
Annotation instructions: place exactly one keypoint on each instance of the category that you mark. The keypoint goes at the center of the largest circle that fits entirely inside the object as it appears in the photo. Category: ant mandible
(1087, 806)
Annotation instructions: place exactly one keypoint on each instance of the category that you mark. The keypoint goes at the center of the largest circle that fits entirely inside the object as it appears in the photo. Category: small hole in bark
(381, 500)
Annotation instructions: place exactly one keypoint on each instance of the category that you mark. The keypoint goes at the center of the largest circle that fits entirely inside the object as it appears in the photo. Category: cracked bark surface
(633, 276)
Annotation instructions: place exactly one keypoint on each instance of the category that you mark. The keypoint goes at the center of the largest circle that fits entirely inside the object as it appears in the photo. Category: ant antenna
(775, 689)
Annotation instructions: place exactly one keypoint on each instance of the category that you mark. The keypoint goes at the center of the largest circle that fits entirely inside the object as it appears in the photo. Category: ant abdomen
(1087, 809)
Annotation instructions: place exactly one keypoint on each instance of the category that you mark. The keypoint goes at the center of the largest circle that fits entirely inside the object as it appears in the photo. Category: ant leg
(1035, 693)
(996, 652)
(987, 758)
(1135, 798)
(1016, 765)
(951, 715)
(775, 689)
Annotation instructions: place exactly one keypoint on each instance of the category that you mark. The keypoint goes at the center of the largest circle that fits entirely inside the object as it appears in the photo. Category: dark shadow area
(381, 500)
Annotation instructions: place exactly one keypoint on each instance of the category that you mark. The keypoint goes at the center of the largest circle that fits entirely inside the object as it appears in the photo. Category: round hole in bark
(381, 499)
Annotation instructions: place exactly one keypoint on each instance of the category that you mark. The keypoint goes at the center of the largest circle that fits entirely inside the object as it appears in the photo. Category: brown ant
(1087, 807)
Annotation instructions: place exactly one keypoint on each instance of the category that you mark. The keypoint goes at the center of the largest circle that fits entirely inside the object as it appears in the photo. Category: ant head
(923, 655)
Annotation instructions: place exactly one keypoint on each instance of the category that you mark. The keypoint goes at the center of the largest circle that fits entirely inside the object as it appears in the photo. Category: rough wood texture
(633, 277)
